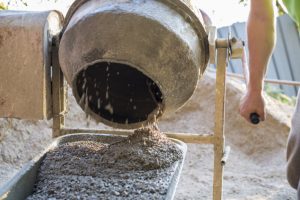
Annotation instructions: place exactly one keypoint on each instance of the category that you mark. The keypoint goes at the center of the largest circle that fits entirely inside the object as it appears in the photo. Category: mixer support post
(58, 92)
(219, 138)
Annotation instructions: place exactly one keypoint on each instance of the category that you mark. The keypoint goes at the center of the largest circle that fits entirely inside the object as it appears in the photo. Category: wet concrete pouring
(138, 167)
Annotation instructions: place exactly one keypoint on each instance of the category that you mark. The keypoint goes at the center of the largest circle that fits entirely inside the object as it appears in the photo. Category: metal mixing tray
(22, 184)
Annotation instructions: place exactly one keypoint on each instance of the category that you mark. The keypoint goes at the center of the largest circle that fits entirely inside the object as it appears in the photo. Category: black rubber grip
(254, 118)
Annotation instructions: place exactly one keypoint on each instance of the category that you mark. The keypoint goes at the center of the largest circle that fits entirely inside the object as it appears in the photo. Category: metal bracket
(236, 47)
(212, 43)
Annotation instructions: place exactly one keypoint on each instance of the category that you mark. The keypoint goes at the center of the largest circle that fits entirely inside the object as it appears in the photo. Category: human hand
(252, 102)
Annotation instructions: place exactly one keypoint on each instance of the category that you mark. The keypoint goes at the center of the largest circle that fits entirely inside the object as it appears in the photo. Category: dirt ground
(256, 165)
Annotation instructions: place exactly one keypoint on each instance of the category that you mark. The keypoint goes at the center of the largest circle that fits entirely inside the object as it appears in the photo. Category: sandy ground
(255, 169)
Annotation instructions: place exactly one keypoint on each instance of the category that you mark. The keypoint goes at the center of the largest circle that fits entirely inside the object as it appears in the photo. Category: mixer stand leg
(219, 138)
(58, 92)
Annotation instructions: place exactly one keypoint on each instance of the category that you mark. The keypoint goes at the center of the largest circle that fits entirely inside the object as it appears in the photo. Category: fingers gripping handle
(254, 117)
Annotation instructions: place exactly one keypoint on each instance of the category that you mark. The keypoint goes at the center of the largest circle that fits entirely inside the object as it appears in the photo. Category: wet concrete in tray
(138, 167)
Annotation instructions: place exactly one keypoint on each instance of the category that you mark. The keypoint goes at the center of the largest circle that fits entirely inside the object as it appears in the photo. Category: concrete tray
(22, 184)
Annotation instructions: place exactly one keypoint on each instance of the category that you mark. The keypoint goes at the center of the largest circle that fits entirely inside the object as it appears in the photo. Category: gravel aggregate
(137, 167)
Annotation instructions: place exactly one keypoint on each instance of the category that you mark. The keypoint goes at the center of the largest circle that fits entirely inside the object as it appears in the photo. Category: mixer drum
(131, 61)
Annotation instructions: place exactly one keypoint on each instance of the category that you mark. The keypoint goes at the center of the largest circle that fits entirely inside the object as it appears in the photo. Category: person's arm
(261, 32)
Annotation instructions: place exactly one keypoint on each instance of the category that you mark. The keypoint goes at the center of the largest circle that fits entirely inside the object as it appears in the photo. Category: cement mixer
(130, 62)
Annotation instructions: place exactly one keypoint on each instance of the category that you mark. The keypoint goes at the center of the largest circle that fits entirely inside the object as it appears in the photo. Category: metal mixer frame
(222, 50)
